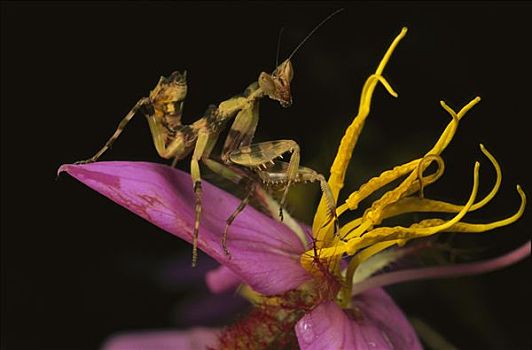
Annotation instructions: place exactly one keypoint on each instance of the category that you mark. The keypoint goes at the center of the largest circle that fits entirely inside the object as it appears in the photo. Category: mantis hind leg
(231, 218)
(237, 177)
(259, 154)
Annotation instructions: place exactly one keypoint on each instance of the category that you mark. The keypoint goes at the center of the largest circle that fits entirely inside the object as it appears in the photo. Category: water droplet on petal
(306, 333)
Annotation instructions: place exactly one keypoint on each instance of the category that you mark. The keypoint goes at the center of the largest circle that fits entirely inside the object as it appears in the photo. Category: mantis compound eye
(285, 72)
(276, 88)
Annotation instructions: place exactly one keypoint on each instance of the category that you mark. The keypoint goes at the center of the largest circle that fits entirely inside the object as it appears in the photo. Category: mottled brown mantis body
(163, 109)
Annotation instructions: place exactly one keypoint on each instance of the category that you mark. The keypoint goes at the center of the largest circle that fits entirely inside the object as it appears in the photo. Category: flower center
(271, 323)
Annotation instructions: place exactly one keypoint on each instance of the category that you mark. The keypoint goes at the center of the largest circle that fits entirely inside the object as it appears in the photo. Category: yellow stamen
(399, 232)
(345, 150)
(450, 130)
(424, 181)
(248, 293)
(464, 227)
(374, 214)
(350, 226)
(410, 204)
(388, 176)
(376, 183)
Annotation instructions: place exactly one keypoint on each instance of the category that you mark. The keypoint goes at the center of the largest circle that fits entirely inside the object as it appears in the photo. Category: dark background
(76, 267)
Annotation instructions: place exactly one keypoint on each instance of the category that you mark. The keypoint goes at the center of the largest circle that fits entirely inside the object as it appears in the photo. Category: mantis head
(277, 85)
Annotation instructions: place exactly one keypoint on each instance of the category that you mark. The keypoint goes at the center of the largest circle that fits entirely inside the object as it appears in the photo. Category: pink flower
(265, 255)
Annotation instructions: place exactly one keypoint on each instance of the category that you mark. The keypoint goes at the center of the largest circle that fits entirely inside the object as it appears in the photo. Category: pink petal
(265, 253)
(376, 323)
(222, 279)
(194, 339)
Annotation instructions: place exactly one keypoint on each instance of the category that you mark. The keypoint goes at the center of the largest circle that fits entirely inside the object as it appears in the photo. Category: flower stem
(457, 270)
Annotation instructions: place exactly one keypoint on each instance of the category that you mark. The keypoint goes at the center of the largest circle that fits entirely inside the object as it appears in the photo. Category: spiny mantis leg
(201, 145)
(274, 176)
(205, 141)
(242, 130)
(233, 216)
(142, 102)
(241, 133)
(259, 154)
(278, 175)
(237, 177)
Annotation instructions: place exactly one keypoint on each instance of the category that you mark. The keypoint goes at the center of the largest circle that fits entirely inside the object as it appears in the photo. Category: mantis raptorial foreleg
(243, 127)
(275, 176)
(252, 184)
(259, 154)
(238, 148)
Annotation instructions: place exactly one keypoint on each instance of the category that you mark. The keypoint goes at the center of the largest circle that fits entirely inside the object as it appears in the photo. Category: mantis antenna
(278, 47)
(313, 31)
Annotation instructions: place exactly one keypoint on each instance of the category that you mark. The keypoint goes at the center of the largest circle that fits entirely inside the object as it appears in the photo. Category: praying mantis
(163, 108)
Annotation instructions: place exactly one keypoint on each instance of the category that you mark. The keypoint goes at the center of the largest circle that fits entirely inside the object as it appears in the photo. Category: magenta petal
(377, 324)
(265, 253)
(222, 279)
(194, 339)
